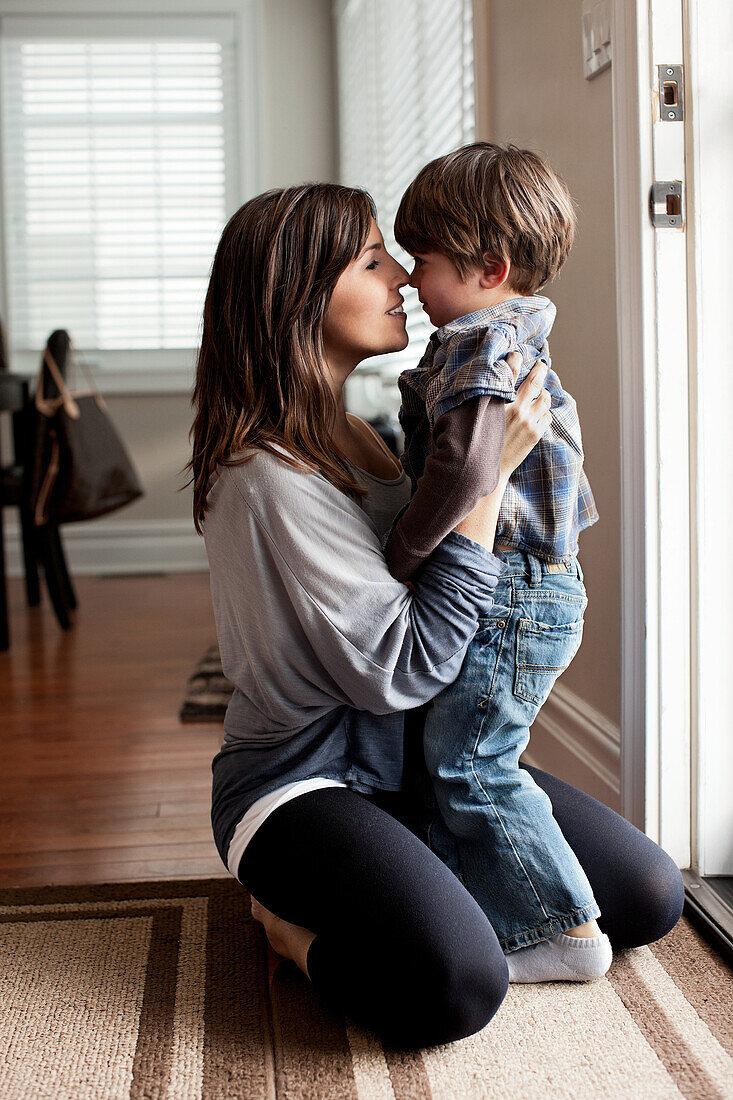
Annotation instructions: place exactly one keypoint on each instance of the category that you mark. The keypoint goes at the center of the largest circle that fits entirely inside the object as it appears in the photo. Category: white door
(672, 125)
(652, 289)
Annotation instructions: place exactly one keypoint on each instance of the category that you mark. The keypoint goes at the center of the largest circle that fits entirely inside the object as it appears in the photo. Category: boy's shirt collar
(510, 310)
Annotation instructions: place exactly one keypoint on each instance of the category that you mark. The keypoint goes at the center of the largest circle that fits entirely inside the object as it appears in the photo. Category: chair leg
(24, 428)
(53, 579)
(63, 568)
(4, 632)
(30, 558)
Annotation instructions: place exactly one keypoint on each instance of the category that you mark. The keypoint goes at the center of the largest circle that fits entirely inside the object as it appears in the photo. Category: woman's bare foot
(289, 940)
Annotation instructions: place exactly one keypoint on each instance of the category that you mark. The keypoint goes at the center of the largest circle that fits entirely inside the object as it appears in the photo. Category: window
(119, 170)
(406, 95)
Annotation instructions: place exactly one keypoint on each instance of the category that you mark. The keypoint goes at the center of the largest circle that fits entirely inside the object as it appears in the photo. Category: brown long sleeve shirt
(461, 468)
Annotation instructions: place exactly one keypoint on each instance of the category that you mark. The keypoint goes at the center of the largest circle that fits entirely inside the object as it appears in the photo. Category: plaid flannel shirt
(548, 501)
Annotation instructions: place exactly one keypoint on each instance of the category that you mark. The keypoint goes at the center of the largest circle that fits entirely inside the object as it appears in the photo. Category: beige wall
(299, 143)
(538, 97)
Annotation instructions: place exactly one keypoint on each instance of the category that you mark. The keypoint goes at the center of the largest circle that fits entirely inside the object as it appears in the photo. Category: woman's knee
(655, 905)
(470, 1001)
(663, 899)
(458, 997)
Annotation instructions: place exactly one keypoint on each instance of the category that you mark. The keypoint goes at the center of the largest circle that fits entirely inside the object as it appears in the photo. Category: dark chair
(41, 543)
(15, 491)
(48, 540)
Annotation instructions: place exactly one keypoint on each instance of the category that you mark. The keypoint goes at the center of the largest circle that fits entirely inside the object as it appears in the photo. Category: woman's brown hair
(260, 375)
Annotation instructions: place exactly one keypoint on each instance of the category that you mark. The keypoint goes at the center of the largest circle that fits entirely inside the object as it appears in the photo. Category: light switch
(596, 27)
(587, 35)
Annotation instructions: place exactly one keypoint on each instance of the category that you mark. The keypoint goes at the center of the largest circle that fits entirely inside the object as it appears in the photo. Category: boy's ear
(495, 272)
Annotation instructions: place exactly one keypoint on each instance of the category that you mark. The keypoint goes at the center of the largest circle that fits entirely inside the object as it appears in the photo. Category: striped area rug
(207, 692)
(161, 991)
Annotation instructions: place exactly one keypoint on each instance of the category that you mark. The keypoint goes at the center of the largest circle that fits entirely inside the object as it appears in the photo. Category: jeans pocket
(544, 650)
(486, 651)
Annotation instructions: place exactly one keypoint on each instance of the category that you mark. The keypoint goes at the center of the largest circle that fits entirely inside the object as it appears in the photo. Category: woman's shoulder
(268, 482)
(254, 474)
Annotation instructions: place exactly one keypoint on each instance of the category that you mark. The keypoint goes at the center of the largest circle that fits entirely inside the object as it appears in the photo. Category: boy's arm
(463, 467)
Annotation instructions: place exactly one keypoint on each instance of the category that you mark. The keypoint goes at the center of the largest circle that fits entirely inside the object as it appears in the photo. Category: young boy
(488, 226)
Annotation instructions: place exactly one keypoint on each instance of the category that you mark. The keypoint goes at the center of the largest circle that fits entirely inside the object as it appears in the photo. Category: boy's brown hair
(490, 198)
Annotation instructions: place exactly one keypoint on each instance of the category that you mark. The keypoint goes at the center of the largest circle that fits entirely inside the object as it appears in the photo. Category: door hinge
(665, 205)
(671, 93)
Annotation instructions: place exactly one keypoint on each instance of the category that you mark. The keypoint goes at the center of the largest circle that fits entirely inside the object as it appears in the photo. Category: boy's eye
(372, 265)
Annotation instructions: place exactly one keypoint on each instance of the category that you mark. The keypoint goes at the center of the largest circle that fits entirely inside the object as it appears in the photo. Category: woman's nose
(401, 276)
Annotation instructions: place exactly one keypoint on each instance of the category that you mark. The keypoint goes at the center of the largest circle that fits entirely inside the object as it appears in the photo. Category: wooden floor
(99, 781)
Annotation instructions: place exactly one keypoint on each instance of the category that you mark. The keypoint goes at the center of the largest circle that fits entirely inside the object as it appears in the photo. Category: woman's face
(365, 315)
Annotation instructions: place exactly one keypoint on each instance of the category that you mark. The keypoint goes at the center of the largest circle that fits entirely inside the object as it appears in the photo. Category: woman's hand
(527, 417)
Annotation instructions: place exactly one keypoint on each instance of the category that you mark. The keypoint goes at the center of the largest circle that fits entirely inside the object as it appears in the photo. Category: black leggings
(401, 947)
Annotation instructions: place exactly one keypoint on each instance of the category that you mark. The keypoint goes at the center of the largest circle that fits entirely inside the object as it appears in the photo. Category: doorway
(672, 128)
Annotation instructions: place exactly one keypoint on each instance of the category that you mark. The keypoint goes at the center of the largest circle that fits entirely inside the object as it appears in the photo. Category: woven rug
(207, 692)
(161, 991)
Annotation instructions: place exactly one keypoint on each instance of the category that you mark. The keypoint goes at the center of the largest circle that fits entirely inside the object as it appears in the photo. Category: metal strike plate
(671, 93)
(665, 205)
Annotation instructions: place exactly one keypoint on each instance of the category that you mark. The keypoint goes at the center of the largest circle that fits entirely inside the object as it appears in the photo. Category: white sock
(561, 959)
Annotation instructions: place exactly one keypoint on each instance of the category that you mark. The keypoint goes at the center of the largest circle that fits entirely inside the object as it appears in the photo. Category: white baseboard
(573, 740)
(126, 547)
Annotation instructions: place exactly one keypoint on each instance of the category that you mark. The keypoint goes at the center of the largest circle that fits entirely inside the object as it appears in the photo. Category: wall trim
(569, 725)
(122, 547)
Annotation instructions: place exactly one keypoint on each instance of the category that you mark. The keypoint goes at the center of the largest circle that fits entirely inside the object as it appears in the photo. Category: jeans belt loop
(535, 571)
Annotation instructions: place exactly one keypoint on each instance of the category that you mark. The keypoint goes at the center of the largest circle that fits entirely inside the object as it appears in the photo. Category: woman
(327, 651)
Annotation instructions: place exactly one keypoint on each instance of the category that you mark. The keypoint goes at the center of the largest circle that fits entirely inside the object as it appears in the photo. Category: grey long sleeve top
(325, 648)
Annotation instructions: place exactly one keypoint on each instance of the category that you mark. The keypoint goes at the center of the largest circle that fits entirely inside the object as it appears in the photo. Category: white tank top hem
(382, 512)
(258, 813)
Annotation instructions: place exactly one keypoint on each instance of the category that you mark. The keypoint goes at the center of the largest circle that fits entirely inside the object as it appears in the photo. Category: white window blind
(406, 96)
(119, 152)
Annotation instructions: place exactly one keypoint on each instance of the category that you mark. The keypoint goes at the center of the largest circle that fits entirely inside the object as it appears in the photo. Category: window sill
(119, 373)
(131, 382)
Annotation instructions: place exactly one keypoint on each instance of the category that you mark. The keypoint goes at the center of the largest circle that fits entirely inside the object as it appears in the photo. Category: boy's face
(442, 291)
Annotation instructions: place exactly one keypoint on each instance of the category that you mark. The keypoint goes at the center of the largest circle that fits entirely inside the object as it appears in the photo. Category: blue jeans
(491, 812)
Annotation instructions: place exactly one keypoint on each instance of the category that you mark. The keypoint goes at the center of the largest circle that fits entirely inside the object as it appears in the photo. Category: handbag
(81, 468)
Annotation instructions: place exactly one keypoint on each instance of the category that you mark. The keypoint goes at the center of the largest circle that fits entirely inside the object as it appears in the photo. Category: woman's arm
(309, 617)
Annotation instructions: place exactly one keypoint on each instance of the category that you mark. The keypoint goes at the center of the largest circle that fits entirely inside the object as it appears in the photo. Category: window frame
(161, 370)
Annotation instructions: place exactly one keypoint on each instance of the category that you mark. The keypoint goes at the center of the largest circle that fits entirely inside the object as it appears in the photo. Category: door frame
(708, 28)
(654, 371)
